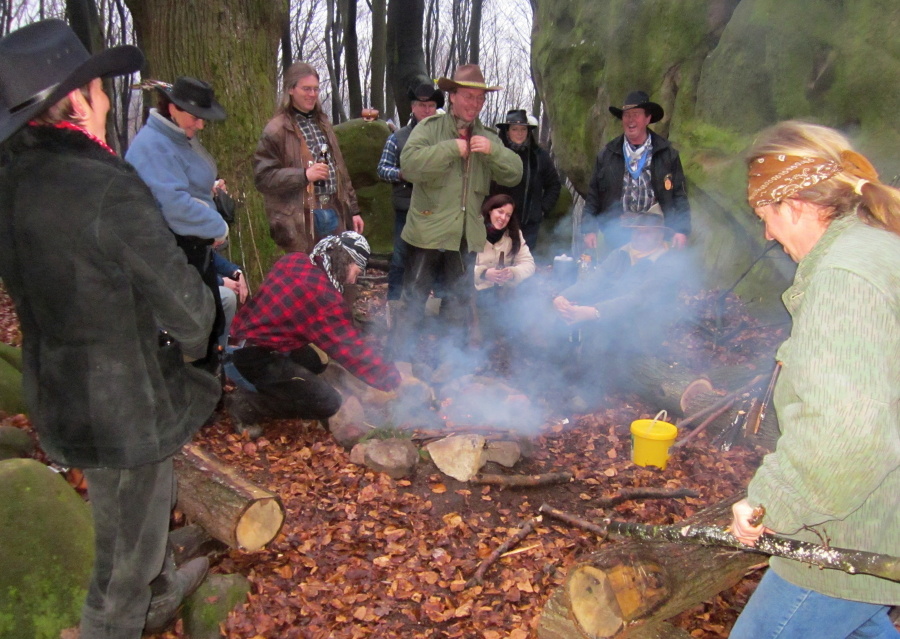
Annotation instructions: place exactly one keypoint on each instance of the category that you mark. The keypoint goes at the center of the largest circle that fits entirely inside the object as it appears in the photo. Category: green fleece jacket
(836, 468)
(431, 161)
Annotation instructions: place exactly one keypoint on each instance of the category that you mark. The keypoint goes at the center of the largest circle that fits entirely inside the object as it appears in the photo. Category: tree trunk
(227, 506)
(475, 31)
(379, 51)
(406, 54)
(232, 44)
(334, 44)
(351, 58)
(639, 584)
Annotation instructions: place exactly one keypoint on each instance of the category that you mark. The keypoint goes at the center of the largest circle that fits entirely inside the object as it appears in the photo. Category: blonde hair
(854, 188)
(64, 110)
(292, 76)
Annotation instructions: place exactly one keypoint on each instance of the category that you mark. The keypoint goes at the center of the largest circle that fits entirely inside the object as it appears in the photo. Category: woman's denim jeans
(783, 610)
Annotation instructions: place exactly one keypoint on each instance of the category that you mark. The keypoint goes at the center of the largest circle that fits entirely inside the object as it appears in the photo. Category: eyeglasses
(308, 89)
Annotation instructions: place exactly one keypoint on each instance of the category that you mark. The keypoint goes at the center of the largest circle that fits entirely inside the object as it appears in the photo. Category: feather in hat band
(776, 177)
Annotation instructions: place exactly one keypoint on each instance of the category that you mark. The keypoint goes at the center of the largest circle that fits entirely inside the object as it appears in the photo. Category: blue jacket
(180, 173)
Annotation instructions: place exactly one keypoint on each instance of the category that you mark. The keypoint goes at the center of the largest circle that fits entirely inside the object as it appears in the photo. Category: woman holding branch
(835, 475)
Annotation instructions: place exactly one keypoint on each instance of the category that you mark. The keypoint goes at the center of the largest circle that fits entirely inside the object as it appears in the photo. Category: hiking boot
(164, 610)
(244, 417)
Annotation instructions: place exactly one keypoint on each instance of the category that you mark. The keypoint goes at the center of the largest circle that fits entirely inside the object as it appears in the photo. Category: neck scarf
(636, 157)
(355, 245)
(493, 235)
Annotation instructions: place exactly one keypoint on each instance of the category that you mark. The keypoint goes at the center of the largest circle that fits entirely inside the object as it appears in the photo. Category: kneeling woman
(300, 303)
(504, 263)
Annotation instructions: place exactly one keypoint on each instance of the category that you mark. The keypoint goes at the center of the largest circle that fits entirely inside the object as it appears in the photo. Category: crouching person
(299, 304)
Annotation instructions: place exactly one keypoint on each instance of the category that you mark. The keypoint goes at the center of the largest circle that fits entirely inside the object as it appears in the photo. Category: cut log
(634, 585)
(229, 507)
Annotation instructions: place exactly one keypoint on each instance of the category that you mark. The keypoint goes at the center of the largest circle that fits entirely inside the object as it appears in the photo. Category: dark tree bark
(379, 51)
(233, 45)
(351, 57)
(287, 55)
(475, 31)
(334, 44)
(406, 56)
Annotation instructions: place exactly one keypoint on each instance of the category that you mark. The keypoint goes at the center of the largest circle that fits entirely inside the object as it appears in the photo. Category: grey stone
(506, 453)
(358, 453)
(459, 456)
(395, 457)
(349, 425)
(15, 442)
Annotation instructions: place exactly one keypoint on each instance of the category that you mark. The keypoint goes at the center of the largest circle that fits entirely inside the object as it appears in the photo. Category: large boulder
(46, 551)
(722, 70)
(11, 400)
(361, 143)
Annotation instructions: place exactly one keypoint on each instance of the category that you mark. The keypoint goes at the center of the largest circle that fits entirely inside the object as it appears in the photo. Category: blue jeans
(783, 610)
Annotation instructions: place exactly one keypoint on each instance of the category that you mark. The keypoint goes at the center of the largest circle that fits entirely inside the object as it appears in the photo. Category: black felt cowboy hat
(516, 116)
(425, 92)
(43, 62)
(466, 76)
(639, 100)
(196, 97)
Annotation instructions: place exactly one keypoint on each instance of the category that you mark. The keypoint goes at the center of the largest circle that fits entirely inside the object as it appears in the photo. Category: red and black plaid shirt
(296, 306)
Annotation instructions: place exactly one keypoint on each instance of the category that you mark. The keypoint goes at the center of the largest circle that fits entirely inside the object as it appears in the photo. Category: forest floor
(364, 555)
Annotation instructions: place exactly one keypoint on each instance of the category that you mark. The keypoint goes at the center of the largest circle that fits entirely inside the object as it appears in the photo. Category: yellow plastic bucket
(650, 441)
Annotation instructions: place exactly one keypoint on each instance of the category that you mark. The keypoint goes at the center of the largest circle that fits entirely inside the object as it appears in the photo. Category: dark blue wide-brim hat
(44, 61)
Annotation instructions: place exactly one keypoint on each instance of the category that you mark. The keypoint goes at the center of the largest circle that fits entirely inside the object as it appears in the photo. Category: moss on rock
(46, 537)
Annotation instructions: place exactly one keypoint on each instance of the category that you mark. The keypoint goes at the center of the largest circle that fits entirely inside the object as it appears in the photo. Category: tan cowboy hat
(466, 76)
(652, 218)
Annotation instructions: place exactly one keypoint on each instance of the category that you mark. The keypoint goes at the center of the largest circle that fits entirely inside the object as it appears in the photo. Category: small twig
(578, 522)
(627, 494)
(524, 530)
(523, 481)
(706, 422)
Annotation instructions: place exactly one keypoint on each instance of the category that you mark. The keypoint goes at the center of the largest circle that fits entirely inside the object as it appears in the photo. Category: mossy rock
(210, 604)
(14, 443)
(46, 537)
(11, 355)
(361, 144)
(11, 400)
(722, 70)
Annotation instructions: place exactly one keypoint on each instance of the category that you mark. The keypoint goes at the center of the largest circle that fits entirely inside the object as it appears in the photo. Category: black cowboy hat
(43, 62)
(196, 97)
(426, 92)
(516, 116)
(639, 100)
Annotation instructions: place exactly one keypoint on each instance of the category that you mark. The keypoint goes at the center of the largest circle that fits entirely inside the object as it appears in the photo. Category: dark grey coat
(95, 273)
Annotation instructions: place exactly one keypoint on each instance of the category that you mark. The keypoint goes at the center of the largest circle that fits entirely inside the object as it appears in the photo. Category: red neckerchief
(74, 127)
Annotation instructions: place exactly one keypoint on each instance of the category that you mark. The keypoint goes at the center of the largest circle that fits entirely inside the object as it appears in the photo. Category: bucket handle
(665, 417)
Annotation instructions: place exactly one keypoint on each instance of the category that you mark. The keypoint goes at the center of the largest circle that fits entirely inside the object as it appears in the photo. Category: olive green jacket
(431, 161)
(836, 468)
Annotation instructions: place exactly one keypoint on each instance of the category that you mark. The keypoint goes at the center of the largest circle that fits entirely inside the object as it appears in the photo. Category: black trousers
(288, 385)
(425, 270)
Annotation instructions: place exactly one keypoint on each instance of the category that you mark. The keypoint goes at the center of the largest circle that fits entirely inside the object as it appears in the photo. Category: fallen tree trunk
(634, 586)
(229, 507)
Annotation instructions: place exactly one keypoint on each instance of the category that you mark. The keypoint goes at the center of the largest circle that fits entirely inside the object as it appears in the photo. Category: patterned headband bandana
(352, 242)
(776, 177)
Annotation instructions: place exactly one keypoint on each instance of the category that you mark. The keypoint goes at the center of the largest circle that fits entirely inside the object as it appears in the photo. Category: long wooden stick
(850, 561)
(730, 397)
(628, 494)
(524, 530)
(706, 422)
(523, 481)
